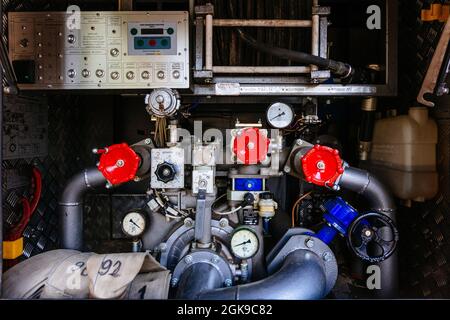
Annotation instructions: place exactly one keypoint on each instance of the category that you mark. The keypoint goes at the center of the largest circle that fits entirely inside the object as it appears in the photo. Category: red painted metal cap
(118, 163)
(251, 146)
(322, 166)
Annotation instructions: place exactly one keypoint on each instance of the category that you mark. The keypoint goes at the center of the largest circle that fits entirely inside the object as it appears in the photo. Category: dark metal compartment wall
(417, 41)
(425, 228)
(76, 125)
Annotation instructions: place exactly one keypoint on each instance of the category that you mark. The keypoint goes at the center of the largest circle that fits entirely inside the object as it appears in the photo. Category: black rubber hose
(367, 125)
(339, 68)
(301, 277)
(369, 187)
(71, 207)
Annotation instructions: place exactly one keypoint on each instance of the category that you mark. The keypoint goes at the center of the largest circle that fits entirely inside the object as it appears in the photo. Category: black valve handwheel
(373, 237)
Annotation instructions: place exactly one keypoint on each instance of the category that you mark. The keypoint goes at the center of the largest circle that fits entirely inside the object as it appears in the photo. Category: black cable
(339, 68)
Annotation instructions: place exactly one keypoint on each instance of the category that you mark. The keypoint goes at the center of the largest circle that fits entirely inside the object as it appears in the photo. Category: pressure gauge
(133, 224)
(280, 115)
(244, 243)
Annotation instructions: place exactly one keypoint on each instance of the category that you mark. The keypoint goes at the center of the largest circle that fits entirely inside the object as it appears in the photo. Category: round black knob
(249, 198)
(165, 172)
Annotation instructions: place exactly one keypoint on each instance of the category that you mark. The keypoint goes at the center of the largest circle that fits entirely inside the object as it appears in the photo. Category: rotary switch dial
(165, 172)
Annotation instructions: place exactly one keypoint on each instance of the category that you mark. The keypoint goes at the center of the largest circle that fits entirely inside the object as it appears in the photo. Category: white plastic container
(404, 154)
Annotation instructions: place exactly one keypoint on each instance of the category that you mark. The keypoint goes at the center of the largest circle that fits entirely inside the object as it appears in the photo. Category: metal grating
(425, 228)
(74, 128)
(417, 41)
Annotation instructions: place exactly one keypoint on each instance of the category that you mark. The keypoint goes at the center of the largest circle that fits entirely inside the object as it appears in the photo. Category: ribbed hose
(71, 207)
(369, 187)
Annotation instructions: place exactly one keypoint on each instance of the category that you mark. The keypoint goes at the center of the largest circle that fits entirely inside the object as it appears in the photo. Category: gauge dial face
(133, 224)
(280, 115)
(244, 243)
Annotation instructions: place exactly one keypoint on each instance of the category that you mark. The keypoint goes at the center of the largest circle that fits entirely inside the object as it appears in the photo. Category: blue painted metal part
(327, 234)
(248, 184)
(339, 217)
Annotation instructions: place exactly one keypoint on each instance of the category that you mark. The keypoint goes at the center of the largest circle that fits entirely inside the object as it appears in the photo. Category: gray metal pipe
(200, 277)
(301, 277)
(202, 231)
(369, 187)
(71, 207)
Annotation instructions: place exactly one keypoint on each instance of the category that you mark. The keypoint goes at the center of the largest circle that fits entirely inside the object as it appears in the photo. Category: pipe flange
(204, 256)
(180, 240)
(314, 245)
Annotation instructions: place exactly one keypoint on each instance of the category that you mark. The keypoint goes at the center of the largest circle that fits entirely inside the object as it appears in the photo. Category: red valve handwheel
(118, 163)
(322, 166)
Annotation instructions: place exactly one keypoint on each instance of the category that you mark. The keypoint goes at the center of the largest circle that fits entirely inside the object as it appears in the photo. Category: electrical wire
(28, 207)
(294, 207)
(228, 212)
(221, 213)
(168, 214)
(37, 178)
(160, 135)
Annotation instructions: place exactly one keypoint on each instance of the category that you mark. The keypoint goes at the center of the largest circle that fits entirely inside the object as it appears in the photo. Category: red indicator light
(152, 42)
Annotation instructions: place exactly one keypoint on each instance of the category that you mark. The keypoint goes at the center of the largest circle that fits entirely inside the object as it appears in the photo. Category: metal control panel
(104, 50)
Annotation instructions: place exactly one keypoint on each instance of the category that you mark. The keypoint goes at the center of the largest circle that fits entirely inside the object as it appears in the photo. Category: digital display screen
(152, 31)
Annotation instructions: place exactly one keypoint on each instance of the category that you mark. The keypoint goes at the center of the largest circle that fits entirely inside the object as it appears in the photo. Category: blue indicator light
(248, 184)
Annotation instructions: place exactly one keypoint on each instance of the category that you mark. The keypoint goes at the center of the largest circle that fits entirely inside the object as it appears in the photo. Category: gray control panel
(105, 50)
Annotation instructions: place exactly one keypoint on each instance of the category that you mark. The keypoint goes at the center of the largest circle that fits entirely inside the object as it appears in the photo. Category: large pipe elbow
(381, 200)
(301, 277)
(368, 186)
(71, 207)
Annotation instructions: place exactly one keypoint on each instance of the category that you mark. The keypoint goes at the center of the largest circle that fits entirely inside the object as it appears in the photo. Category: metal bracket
(321, 11)
(203, 74)
(430, 82)
(204, 10)
(202, 232)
